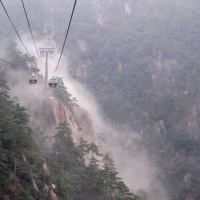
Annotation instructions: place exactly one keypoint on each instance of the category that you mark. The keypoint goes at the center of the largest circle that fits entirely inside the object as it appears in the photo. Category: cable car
(33, 79)
(53, 82)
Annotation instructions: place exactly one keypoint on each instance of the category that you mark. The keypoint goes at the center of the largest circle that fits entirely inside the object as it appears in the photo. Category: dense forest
(142, 64)
(140, 59)
(28, 170)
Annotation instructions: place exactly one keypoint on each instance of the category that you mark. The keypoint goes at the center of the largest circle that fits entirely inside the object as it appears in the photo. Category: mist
(133, 164)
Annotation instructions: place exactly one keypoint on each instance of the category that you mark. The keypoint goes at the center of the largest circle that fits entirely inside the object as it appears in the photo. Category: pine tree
(83, 148)
(65, 150)
(19, 159)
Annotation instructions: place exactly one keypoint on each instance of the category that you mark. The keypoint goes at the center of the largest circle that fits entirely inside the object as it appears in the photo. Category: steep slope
(21, 161)
(141, 62)
(78, 120)
(25, 175)
(59, 172)
(140, 59)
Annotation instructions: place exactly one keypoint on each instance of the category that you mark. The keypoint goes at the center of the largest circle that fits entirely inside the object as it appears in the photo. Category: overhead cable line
(66, 34)
(10, 63)
(30, 28)
(14, 27)
(7, 62)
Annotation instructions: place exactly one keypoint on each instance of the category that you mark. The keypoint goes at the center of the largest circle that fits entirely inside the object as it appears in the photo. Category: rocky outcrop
(187, 179)
(53, 195)
(188, 197)
(56, 113)
(79, 121)
(77, 118)
(84, 123)
(159, 127)
(192, 124)
(32, 178)
(45, 169)
(48, 185)
(6, 197)
(127, 8)
(34, 184)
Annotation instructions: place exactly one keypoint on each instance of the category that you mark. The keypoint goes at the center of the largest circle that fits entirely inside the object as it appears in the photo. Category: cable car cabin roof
(53, 81)
(53, 77)
(33, 75)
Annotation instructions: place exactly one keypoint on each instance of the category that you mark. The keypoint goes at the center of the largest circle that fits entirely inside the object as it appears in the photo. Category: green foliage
(18, 160)
(144, 71)
(21, 163)
(64, 147)
(75, 180)
(61, 92)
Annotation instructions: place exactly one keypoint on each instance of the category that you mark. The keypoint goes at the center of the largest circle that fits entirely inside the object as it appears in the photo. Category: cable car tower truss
(43, 52)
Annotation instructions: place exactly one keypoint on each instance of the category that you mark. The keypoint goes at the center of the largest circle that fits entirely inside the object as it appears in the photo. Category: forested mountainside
(140, 59)
(36, 164)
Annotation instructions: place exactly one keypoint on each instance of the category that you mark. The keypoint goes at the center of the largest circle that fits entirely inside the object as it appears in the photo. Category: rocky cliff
(78, 119)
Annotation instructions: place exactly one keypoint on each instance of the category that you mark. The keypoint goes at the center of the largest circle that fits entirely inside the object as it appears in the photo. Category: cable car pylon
(45, 52)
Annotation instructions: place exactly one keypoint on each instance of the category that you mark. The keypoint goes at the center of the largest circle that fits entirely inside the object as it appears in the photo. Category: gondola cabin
(33, 79)
(53, 82)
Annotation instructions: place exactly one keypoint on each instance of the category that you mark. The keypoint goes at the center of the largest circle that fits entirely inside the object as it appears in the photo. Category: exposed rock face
(127, 8)
(6, 197)
(84, 122)
(32, 179)
(53, 195)
(34, 184)
(188, 197)
(192, 124)
(187, 179)
(56, 113)
(46, 169)
(82, 45)
(159, 127)
(78, 120)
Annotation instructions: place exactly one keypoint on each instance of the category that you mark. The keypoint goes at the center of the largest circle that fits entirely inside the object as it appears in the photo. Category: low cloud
(133, 164)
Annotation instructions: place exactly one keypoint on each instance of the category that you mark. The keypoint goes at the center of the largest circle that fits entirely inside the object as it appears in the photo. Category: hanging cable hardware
(14, 27)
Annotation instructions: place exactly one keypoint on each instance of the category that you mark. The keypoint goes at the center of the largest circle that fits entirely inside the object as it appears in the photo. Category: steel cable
(66, 34)
(14, 27)
(30, 28)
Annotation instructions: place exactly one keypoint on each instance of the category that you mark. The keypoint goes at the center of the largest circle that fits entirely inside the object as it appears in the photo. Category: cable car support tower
(43, 52)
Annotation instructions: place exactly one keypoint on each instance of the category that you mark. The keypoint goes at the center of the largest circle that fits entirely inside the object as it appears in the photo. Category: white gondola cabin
(33, 79)
(53, 82)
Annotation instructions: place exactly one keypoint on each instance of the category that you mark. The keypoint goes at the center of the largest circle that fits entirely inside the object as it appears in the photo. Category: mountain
(140, 61)
(52, 152)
